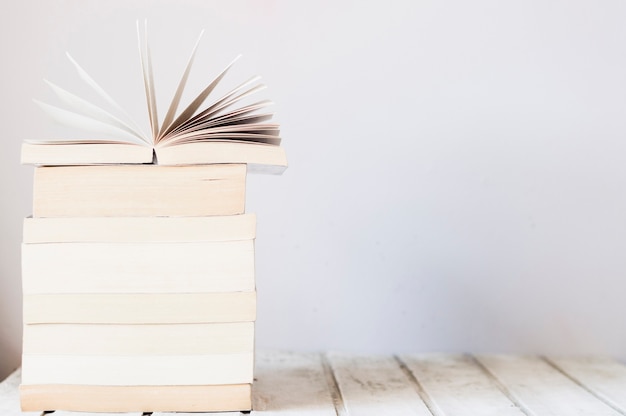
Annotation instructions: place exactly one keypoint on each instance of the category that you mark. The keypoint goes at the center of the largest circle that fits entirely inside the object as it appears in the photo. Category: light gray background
(457, 178)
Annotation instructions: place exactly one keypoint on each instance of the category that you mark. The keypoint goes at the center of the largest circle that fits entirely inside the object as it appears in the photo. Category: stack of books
(138, 260)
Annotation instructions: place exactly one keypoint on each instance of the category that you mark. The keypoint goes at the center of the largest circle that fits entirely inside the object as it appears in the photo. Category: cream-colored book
(139, 340)
(138, 370)
(80, 398)
(139, 190)
(139, 308)
(198, 267)
(139, 229)
(259, 157)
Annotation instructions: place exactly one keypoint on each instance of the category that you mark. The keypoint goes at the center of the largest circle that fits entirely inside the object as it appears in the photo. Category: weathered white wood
(457, 386)
(290, 384)
(65, 413)
(179, 414)
(298, 384)
(603, 376)
(10, 396)
(541, 389)
(375, 386)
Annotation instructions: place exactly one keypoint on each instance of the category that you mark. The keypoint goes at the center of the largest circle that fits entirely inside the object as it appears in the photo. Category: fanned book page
(222, 131)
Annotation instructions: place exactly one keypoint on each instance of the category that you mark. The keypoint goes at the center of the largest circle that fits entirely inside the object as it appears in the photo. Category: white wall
(457, 179)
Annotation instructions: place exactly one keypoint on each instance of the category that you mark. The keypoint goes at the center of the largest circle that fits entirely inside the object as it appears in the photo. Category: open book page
(236, 122)
(236, 117)
(104, 95)
(171, 112)
(243, 137)
(84, 107)
(219, 105)
(227, 121)
(267, 129)
(197, 102)
(90, 124)
(148, 81)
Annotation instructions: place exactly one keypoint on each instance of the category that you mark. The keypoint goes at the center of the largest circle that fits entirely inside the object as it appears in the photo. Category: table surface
(337, 384)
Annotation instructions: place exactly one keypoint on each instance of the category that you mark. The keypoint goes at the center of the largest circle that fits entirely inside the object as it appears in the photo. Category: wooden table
(440, 385)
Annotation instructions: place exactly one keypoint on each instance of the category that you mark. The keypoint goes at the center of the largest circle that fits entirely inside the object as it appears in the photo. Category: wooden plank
(184, 414)
(10, 396)
(289, 384)
(457, 385)
(66, 413)
(542, 390)
(375, 386)
(602, 376)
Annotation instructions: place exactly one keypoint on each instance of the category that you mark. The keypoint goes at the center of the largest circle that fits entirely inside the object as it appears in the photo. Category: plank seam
(503, 388)
(333, 387)
(594, 393)
(421, 392)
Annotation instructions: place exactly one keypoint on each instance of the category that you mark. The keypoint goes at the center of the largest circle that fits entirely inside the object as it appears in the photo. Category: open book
(222, 132)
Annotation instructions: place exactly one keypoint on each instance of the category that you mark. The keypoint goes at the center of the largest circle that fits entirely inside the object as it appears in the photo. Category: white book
(197, 267)
(139, 308)
(139, 229)
(134, 370)
(139, 340)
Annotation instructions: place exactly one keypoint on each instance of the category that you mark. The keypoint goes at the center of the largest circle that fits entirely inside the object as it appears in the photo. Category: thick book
(139, 229)
(139, 190)
(139, 308)
(138, 339)
(99, 268)
(82, 398)
(138, 370)
(230, 129)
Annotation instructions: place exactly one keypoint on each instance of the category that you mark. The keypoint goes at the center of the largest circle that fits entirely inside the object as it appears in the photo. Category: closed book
(89, 398)
(198, 267)
(138, 370)
(139, 229)
(139, 308)
(139, 190)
